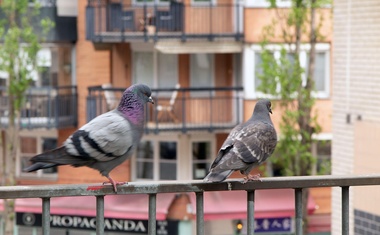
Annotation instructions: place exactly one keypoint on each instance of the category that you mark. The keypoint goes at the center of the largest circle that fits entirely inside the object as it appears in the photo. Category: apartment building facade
(211, 50)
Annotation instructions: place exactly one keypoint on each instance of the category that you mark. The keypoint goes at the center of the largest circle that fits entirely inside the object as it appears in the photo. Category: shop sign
(164, 227)
(274, 225)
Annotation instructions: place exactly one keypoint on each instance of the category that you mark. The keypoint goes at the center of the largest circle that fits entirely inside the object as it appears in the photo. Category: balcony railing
(183, 109)
(45, 107)
(199, 188)
(116, 21)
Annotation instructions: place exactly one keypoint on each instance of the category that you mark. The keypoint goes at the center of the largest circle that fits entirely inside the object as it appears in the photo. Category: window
(143, 68)
(323, 153)
(252, 55)
(201, 72)
(319, 71)
(202, 1)
(145, 160)
(156, 160)
(144, 71)
(173, 157)
(168, 160)
(265, 3)
(151, 1)
(55, 66)
(33, 145)
(201, 151)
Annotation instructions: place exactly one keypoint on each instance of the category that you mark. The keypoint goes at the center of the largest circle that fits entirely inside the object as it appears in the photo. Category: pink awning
(271, 203)
(119, 206)
(217, 205)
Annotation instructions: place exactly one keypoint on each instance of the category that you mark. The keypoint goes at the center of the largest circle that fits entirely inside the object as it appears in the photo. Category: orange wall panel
(94, 66)
(256, 19)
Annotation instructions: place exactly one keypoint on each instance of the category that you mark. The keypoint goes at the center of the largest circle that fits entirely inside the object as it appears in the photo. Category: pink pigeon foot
(113, 183)
(251, 178)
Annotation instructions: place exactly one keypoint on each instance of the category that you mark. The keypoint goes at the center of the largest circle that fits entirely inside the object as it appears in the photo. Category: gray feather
(248, 145)
(106, 141)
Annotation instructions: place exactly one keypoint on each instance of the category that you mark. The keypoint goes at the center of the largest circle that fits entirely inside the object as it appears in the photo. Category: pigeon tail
(38, 166)
(217, 176)
(53, 158)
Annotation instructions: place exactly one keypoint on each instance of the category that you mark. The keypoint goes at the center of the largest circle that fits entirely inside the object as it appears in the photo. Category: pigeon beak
(150, 100)
(270, 110)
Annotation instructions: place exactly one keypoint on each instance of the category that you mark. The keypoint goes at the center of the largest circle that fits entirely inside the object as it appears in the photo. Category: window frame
(203, 138)
(184, 154)
(249, 78)
(149, 48)
(39, 135)
(156, 157)
(151, 3)
(197, 94)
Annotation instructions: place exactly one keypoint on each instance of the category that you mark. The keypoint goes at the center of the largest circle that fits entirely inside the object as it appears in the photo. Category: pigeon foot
(114, 183)
(251, 178)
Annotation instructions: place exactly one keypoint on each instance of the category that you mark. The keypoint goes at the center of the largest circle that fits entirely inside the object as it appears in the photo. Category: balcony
(178, 109)
(115, 21)
(45, 107)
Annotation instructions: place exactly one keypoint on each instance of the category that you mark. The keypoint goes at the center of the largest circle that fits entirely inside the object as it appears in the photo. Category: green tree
(18, 58)
(285, 79)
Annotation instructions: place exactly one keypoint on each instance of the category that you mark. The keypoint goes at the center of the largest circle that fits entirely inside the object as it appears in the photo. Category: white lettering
(129, 225)
(85, 223)
(140, 227)
(67, 221)
(77, 221)
(117, 224)
(109, 224)
(93, 223)
(56, 221)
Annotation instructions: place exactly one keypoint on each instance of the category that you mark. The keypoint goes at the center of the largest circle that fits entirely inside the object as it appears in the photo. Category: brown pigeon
(248, 145)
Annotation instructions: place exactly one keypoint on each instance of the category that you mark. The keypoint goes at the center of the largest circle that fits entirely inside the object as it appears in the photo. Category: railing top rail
(154, 187)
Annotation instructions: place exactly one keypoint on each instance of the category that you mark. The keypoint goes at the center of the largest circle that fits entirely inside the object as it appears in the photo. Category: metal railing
(45, 107)
(45, 192)
(108, 21)
(193, 109)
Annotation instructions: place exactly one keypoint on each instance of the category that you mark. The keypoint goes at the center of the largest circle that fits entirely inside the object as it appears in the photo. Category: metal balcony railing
(45, 192)
(45, 107)
(118, 21)
(209, 109)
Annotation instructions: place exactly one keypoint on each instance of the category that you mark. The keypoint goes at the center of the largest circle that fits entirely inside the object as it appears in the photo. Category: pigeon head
(132, 102)
(262, 108)
(142, 91)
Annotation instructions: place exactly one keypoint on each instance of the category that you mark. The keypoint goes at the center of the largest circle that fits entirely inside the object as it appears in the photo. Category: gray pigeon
(106, 141)
(248, 145)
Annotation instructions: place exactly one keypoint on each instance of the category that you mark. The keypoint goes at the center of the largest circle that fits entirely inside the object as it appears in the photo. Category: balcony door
(153, 68)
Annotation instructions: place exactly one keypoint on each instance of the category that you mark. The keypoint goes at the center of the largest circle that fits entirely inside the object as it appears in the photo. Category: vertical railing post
(345, 210)
(200, 213)
(298, 203)
(45, 216)
(250, 212)
(183, 98)
(152, 214)
(99, 215)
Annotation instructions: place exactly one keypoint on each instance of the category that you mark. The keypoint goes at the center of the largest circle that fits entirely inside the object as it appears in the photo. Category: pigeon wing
(256, 142)
(227, 145)
(103, 139)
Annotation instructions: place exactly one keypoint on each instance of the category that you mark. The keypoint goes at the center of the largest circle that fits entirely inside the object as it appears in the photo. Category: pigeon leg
(251, 178)
(114, 183)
